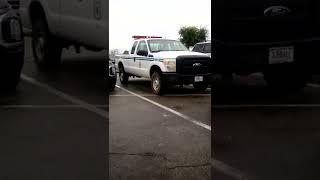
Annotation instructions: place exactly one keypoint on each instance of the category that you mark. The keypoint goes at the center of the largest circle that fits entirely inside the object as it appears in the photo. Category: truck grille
(193, 65)
(245, 21)
(15, 4)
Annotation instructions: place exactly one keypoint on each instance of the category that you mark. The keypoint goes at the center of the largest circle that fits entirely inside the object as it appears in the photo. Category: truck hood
(175, 54)
(265, 20)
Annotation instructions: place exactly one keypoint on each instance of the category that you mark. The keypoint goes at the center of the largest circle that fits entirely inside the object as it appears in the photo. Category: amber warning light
(144, 37)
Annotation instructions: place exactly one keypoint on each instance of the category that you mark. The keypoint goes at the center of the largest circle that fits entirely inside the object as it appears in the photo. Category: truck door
(142, 60)
(85, 21)
(129, 60)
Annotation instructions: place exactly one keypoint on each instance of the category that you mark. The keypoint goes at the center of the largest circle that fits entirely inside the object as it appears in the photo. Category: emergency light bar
(144, 37)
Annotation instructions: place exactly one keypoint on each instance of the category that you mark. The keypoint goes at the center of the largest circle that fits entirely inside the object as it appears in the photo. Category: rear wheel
(46, 48)
(123, 76)
(157, 85)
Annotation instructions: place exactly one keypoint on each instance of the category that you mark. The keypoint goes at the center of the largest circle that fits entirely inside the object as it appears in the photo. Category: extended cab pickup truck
(60, 23)
(278, 38)
(165, 62)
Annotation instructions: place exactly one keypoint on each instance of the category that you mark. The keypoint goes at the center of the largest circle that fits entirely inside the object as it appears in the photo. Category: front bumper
(253, 57)
(12, 57)
(175, 78)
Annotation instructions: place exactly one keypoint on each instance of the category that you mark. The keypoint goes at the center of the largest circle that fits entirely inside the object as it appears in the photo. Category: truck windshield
(165, 45)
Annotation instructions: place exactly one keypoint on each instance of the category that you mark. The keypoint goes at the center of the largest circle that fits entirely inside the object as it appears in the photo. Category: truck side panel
(85, 21)
(50, 8)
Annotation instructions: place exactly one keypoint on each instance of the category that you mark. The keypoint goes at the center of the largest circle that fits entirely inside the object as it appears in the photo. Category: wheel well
(36, 11)
(155, 68)
(120, 64)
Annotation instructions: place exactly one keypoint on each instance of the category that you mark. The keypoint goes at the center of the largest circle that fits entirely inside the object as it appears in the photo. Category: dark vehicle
(202, 47)
(11, 47)
(278, 38)
(112, 77)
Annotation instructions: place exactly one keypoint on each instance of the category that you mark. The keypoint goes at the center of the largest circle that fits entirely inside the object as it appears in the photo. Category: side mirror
(142, 53)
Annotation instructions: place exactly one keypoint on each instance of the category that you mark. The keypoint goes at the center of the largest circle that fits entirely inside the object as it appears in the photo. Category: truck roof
(155, 39)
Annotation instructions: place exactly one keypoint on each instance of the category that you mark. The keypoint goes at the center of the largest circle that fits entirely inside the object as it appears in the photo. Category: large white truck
(165, 62)
(56, 24)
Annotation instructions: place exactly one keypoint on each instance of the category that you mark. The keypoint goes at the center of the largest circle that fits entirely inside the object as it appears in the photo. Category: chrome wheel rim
(156, 83)
(39, 47)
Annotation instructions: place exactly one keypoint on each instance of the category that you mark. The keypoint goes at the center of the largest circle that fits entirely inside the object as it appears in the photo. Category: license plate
(280, 55)
(198, 78)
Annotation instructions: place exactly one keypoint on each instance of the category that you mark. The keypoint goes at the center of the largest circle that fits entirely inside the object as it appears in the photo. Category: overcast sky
(154, 17)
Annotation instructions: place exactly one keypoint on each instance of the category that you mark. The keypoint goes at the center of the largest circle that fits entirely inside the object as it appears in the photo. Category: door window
(134, 47)
(142, 46)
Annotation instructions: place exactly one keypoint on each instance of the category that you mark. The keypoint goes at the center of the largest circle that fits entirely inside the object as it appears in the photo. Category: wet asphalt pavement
(149, 141)
(261, 135)
(54, 126)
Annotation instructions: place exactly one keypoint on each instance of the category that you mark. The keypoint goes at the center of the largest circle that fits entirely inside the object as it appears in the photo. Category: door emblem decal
(97, 9)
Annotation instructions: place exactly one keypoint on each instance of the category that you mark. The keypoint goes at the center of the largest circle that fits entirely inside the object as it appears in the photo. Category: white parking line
(218, 165)
(313, 85)
(234, 173)
(152, 95)
(185, 117)
(67, 97)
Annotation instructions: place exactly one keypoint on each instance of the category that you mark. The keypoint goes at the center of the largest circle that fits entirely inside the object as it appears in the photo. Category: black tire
(123, 76)
(200, 86)
(46, 48)
(10, 77)
(112, 85)
(287, 78)
(157, 85)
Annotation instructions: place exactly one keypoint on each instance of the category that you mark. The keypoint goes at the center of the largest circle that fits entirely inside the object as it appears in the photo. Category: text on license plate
(198, 78)
(281, 55)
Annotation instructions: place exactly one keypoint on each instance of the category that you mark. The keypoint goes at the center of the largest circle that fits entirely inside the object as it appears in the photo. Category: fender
(158, 64)
(51, 14)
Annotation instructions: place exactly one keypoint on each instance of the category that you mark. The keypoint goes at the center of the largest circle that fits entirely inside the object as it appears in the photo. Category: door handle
(134, 59)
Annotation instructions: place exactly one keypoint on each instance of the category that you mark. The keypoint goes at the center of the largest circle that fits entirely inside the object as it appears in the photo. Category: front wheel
(157, 84)
(46, 48)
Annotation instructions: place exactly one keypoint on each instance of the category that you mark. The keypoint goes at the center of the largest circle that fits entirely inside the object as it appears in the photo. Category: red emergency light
(144, 37)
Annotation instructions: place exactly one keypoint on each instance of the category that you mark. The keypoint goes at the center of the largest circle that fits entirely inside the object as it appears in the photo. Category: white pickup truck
(165, 62)
(60, 23)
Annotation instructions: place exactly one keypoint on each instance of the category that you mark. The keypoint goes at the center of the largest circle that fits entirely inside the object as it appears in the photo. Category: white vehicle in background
(165, 62)
(56, 24)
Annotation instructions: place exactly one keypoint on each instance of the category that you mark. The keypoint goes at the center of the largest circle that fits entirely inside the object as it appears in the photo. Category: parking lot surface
(54, 125)
(159, 137)
(261, 134)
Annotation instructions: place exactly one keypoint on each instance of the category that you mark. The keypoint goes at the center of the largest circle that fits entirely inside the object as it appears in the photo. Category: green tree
(190, 35)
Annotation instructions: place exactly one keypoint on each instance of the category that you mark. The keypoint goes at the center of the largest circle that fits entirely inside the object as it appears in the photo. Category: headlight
(11, 30)
(112, 69)
(15, 29)
(170, 64)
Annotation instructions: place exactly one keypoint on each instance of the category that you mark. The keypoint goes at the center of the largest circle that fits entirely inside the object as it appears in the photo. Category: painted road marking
(152, 95)
(234, 173)
(67, 97)
(218, 165)
(190, 119)
(313, 85)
